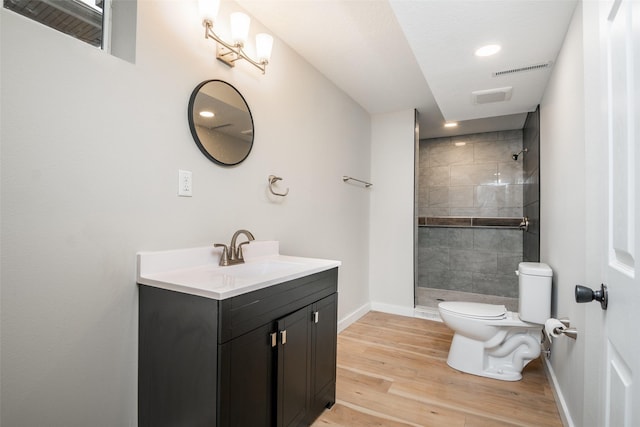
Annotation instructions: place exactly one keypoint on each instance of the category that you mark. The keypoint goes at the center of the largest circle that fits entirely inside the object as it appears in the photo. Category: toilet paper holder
(567, 330)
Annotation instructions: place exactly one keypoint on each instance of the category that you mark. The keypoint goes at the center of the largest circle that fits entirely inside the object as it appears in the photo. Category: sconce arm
(235, 49)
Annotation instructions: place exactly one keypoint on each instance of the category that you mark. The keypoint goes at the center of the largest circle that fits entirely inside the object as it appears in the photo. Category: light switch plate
(185, 183)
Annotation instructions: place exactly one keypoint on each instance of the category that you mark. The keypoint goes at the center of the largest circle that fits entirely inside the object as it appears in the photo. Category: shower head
(514, 156)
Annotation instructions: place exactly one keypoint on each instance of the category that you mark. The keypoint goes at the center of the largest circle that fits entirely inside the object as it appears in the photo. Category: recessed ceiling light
(450, 124)
(488, 50)
(207, 114)
(460, 144)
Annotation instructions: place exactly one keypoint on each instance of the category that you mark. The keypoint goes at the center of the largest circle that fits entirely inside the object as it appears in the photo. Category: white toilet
(492, 342)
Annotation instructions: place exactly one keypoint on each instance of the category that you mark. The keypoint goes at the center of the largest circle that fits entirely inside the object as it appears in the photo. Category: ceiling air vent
(492, 95)
(523, 69)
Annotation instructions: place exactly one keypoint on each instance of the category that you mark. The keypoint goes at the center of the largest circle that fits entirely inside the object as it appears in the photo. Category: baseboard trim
(353, 317)
(563, 409)
(393, 309)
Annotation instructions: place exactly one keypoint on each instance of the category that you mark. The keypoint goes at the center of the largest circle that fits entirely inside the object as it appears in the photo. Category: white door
(612, 107)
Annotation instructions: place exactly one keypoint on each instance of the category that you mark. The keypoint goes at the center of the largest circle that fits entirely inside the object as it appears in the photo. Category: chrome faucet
(232, 254)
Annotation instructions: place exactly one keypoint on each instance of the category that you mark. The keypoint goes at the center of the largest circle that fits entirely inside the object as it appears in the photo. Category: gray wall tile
(508, 263)
(460, 238)
(439, 197)
(495, 284)
(476, 174)
(461, 196)
(510, 173)
(531, 189)
(430, 237)
(434, 258)
(437, 176)
(496, 151)
(429, 211)
(510, 134)
(450, 154)
(497, 240)
(498, 196)
(436, 237)
(510, 212)
(531, 248)
(512, 196)
(473, 261)
(488, 196)
(476, 137)
(451, 280)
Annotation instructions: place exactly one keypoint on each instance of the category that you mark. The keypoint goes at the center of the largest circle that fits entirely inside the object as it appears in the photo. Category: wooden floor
(392, 372)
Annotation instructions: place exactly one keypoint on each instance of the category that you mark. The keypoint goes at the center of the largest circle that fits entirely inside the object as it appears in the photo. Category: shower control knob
(584, 294)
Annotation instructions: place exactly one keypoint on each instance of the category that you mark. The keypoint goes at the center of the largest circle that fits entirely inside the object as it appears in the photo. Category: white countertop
(196, 271)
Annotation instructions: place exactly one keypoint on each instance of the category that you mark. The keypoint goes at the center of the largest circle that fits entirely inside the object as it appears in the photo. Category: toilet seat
(488, 314)
(475, 310)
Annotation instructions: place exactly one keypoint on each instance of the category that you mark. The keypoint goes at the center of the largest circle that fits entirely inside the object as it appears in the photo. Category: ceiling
(390, 55)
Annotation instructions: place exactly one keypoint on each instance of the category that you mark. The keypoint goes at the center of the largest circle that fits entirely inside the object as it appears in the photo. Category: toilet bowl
(493, 342)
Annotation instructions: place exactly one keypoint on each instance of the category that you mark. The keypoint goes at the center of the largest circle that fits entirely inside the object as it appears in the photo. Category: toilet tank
(534, 283)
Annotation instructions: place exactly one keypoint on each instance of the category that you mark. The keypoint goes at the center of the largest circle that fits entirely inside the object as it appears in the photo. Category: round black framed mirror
(221, 122)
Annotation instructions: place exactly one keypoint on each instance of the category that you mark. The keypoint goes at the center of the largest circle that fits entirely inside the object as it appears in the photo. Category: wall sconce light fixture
(230, 52)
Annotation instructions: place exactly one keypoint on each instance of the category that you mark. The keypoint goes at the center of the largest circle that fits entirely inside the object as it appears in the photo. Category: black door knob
(584, 294)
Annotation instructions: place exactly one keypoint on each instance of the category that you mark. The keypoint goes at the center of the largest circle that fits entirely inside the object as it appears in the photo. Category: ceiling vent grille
(500, 94)
(523, 69)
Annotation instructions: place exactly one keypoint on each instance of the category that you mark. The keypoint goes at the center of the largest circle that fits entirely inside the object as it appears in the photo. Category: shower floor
(430, 297)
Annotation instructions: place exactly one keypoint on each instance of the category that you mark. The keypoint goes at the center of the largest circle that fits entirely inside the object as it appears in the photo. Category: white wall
(563, 214)
(391, 227)
(91, 147)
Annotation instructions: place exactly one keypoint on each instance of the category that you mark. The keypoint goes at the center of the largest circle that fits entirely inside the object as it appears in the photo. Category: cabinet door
(246, 380)
(293, 372)
(323, 355)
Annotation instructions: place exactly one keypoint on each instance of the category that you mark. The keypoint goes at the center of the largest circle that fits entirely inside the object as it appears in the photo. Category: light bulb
(239, 27)
(209, 9)
(264, 44)
(488, 50)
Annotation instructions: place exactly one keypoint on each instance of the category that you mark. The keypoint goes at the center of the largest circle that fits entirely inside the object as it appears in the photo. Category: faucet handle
(224, 259)
(239, 256)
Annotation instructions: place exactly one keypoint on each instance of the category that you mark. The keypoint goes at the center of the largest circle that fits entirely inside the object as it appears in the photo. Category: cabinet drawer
(241, 314)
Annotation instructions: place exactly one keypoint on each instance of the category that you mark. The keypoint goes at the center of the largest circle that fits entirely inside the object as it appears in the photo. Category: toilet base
(497, 375)
(504, 361)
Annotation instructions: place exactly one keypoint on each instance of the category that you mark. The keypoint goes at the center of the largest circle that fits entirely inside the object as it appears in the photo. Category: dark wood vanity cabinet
(264, 358)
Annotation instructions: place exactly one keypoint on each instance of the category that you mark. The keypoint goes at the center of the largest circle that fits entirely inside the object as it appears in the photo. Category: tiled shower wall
(482, 261)
(471, 175)
(531, 193)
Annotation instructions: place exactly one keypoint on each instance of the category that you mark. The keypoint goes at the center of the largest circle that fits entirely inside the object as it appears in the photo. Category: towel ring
(272, 180)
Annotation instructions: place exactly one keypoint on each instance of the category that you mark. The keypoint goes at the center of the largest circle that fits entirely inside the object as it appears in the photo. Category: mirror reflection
(221, 122)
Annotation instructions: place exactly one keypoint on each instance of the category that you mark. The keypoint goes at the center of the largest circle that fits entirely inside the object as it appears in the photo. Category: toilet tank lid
(535, 269)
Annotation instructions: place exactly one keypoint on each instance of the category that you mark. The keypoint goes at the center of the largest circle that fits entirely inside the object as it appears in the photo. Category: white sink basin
(196, 271)
(260, 268)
